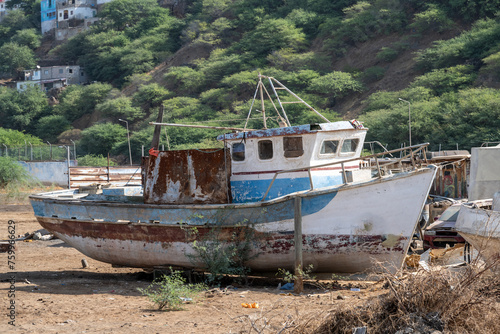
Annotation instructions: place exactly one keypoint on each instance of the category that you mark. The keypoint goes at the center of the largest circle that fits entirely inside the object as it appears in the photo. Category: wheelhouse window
(265, 149)
(238, 152)
(349, 146)
(292, 147)
(329, 147)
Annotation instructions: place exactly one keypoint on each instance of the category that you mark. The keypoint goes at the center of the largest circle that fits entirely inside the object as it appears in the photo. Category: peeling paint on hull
(481, 228)
(345, 229)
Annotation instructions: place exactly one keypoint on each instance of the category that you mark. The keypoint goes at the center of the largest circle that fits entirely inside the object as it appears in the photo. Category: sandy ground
(55, 294)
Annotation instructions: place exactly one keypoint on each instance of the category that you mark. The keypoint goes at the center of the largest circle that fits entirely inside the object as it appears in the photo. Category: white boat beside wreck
(350, 220)
(479, 223)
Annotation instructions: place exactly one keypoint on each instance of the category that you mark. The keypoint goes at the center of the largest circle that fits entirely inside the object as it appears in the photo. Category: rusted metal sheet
(187, 177)
(115, 175)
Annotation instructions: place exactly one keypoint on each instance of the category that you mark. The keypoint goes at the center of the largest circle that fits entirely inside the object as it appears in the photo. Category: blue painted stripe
(253, 190)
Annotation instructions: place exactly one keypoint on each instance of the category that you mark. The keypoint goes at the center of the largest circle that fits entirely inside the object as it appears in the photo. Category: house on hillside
(52, 77)
(66, 18)
(2, 9)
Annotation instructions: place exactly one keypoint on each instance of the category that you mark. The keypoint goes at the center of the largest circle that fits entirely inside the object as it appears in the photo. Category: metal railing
(413, 150)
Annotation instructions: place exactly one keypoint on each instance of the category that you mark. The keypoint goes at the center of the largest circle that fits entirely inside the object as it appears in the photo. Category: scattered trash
(248, 305)
(40, 236)
(287, 286)
(355, 289)
(286, 294)
(187, 300)
(412, 260)
(84, 263)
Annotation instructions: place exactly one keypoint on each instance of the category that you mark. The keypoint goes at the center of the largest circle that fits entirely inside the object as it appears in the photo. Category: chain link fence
(38, 153)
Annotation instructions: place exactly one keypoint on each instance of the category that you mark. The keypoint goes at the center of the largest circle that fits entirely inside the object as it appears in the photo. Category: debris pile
(425, 301)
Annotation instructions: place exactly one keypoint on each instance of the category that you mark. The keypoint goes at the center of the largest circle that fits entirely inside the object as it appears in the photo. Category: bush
(50, 127)
(171, 291)
(336, 84)
(433, 18)
(13, 174)
(447, 79)
(425, 302)
(100, 138)
(373, 74)
(94, 161)
(223, 255)
(387, 54)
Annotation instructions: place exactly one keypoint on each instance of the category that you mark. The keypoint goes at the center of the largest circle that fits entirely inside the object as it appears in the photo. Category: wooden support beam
(298, 284)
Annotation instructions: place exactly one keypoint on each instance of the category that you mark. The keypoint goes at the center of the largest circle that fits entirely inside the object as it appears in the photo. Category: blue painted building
(48, 15)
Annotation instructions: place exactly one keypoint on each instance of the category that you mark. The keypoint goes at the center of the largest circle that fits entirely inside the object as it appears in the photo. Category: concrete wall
(49, 172)
(484, 172)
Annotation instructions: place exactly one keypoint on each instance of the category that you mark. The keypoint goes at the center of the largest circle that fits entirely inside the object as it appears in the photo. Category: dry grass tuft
(425, 301)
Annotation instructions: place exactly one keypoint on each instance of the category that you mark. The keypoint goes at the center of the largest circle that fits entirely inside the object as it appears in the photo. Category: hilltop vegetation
(346, 58)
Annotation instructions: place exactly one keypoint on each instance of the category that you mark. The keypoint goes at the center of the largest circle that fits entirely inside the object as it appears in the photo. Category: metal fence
(38, 153)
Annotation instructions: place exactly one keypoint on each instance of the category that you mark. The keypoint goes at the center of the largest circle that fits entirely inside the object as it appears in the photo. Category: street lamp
(409, 118)
(74, 148)
(128, 138)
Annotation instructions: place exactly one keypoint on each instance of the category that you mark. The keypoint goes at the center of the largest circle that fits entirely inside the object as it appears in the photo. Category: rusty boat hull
(358, 227)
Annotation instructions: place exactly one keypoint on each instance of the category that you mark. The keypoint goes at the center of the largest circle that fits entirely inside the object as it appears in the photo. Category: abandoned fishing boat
(254, 190)
(479, 223)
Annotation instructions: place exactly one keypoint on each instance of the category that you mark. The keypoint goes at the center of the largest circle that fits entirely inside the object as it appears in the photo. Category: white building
(52, 77)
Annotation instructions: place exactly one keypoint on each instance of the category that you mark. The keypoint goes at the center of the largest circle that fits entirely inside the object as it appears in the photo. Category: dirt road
(53, 293)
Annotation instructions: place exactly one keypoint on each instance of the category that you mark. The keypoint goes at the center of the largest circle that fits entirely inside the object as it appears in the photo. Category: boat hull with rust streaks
(363, 226)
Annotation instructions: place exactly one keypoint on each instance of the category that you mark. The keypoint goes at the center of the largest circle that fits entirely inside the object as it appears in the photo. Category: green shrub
(221, 255)
(447, 79)
(13, 174)
(471, 46)
(336, 84)
(94, 161)
(387, 54)
(171, 291)
(433, 18)
(373, 74)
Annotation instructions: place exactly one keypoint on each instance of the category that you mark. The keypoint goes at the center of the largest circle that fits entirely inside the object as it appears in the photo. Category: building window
(349, 146)
(61, 71)
(82, 74)
(292, 147)
(46, 72)
(265, 149)
(238, 152)
(71, 13)
(70, 70)
(329, 147)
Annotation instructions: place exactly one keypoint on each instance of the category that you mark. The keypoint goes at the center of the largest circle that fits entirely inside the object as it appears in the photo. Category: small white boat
(352, 219)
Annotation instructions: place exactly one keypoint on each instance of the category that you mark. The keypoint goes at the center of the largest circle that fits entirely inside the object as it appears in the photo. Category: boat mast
(262, 102)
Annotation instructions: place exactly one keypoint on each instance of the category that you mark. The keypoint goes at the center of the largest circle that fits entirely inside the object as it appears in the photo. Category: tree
(11, 137)
(336, 84)
(27, 37)
(18, 110)
(271, 35)
(76, 101)
(120, 107)
(50, 127)
(100, 138)
(14, 58)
